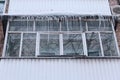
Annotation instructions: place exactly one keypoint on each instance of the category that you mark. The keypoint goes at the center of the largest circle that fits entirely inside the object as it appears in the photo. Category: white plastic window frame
(83, 34)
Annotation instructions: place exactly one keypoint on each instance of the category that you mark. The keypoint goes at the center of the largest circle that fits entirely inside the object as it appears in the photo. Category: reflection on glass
(49, 44)
(108, 43)
(21, 26)
(72, 44)
(13, 45)
(93, 44)
(29, 44)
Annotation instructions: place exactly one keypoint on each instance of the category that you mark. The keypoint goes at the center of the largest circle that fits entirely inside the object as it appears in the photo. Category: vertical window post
(21, 42)
(84, 44)
(37, 44)
(102, 54)
(61, 44)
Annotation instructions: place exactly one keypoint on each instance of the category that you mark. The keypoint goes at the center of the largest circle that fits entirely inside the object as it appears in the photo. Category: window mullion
(84, 44)
(86, 26)
(21, 42)
(61, 43)
(33, 25)
(37, 44)
(102, 52)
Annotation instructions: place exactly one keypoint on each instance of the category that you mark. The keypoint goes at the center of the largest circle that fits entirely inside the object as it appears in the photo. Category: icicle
(80, 23)
(27, 23)
(99, 22)
(104, 22)
(66, 20)
(48, 29)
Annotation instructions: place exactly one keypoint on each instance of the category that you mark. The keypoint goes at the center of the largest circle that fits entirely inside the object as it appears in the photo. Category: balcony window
(60, 37)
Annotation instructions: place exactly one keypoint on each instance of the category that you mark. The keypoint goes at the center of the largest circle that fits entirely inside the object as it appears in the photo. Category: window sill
(64, 57)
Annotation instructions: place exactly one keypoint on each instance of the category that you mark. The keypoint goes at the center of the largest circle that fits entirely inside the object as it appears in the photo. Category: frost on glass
(72, 44)
(47, 25)
(49, 44)
(99, 25)
(73, 25)
(29, 44)
(21, 26)
(13, 45)
(108, 43)
(93, 44)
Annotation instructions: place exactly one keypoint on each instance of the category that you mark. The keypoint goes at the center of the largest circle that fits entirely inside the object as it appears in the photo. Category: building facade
(59, 39)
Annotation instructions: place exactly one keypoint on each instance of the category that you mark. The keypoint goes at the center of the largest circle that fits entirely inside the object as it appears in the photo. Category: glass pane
(64, 26)
(21, 26)
(54, 25)
(106, 26)
(73, 25)
(13, 45)
(1, 7)
(29, 44)
(93, 25)
(108, 43)
(41, 25)
(99, 26)
(93, 44)
(72, 44)
(49, 44)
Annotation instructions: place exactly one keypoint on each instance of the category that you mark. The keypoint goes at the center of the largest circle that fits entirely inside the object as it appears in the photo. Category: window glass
(29, 44)
(41, 25)
(21, 26)
(13, 45)
(73, 25)
(93, 25)
(54, 25)
(99, 26)
(49, 44)
(105, 26)
(50, 25)
(72, 44)
(93, 44)
(108, 43)
(1, 7)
